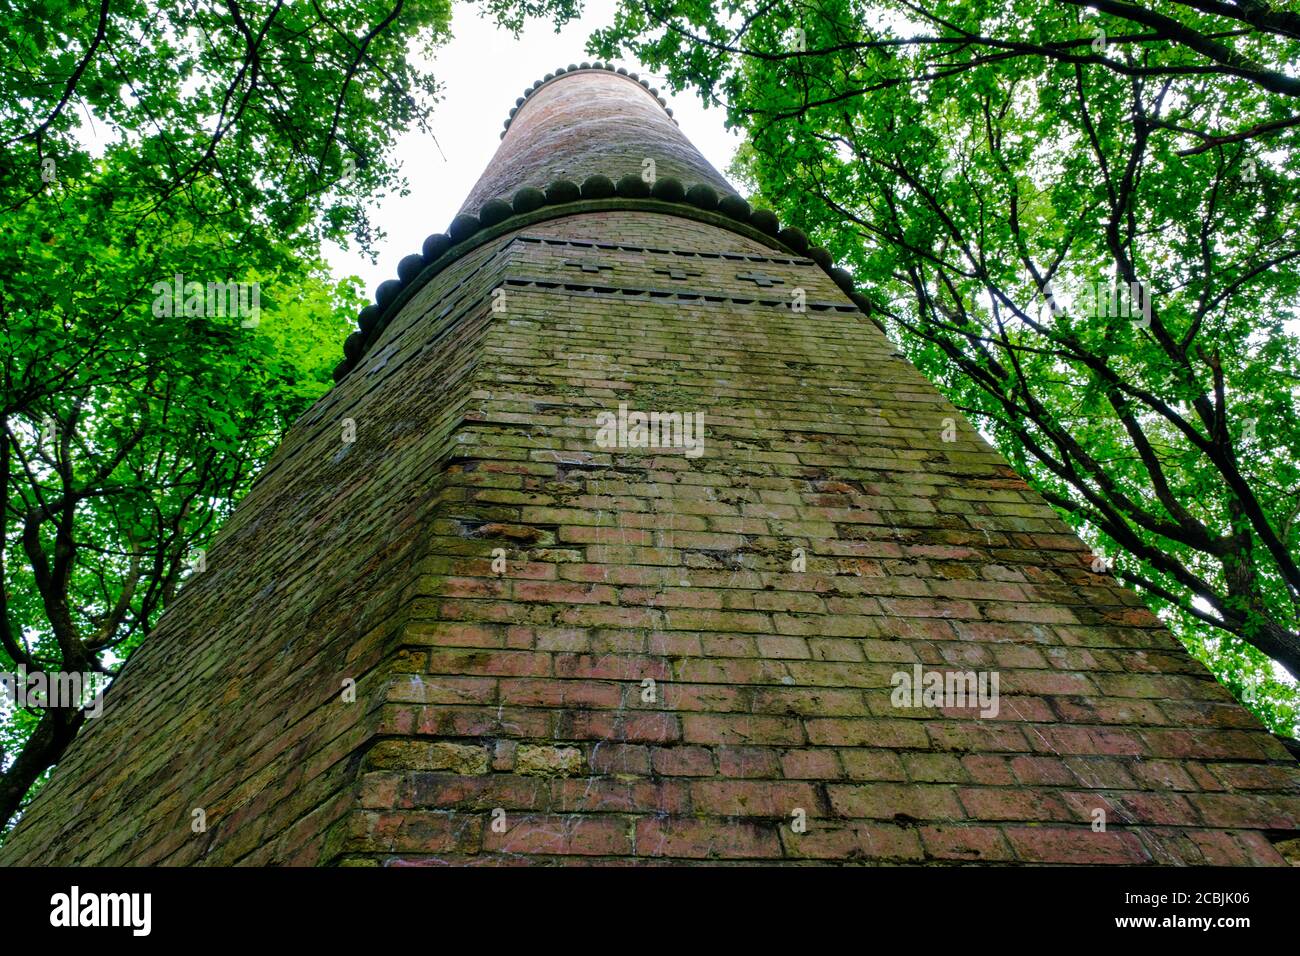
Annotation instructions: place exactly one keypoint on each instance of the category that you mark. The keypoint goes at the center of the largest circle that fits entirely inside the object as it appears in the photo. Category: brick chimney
(626, 535)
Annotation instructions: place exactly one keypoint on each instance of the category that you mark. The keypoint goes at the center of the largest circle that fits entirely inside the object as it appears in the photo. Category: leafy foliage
(217, 142)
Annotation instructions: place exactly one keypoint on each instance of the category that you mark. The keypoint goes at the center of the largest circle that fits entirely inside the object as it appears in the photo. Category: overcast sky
(483, 70)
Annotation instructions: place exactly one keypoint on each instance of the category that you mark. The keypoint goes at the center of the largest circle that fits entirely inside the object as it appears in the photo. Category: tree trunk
(54, 732)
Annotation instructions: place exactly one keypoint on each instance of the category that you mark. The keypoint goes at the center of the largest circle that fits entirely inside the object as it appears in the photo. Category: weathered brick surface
(652, 677)
(772, 686)
(588, 122)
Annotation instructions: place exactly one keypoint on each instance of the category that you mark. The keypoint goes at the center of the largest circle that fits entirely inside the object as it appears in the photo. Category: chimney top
(592, 123)
(578, 68)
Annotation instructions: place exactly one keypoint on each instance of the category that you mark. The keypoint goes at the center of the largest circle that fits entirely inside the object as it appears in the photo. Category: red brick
(415, 832)
(1077, 846)
(606, 725)
(720, 729)
(970, 843)
(1008, 803)
(1042, 770)
(758, 798)
(746, 762)
(683, 761)
(866, 764)
(561, 835)
(701, 840)
(811, 764)
(614, 758)
(854, 841)
(1254, 811)
(577, 795)
(886, 801)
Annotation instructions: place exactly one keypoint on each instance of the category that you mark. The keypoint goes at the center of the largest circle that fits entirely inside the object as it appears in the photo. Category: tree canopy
(149, 149)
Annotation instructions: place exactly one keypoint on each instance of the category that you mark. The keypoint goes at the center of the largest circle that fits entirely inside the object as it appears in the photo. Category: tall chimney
(626, 535)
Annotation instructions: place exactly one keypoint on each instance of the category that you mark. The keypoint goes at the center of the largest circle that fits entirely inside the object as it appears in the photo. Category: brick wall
(525, 699)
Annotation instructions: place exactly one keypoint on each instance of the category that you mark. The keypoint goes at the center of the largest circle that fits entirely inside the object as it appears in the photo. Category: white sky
(483, 71)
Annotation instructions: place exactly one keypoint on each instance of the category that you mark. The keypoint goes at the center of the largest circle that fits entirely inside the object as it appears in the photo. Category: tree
(1080, 220)
(168, 173)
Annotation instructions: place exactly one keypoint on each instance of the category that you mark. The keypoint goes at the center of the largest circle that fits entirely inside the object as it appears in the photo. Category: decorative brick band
(565, 198)
(685, 253)
(683, 295)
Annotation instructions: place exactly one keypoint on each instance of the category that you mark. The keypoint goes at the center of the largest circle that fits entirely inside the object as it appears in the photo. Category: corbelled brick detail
(569, 653)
